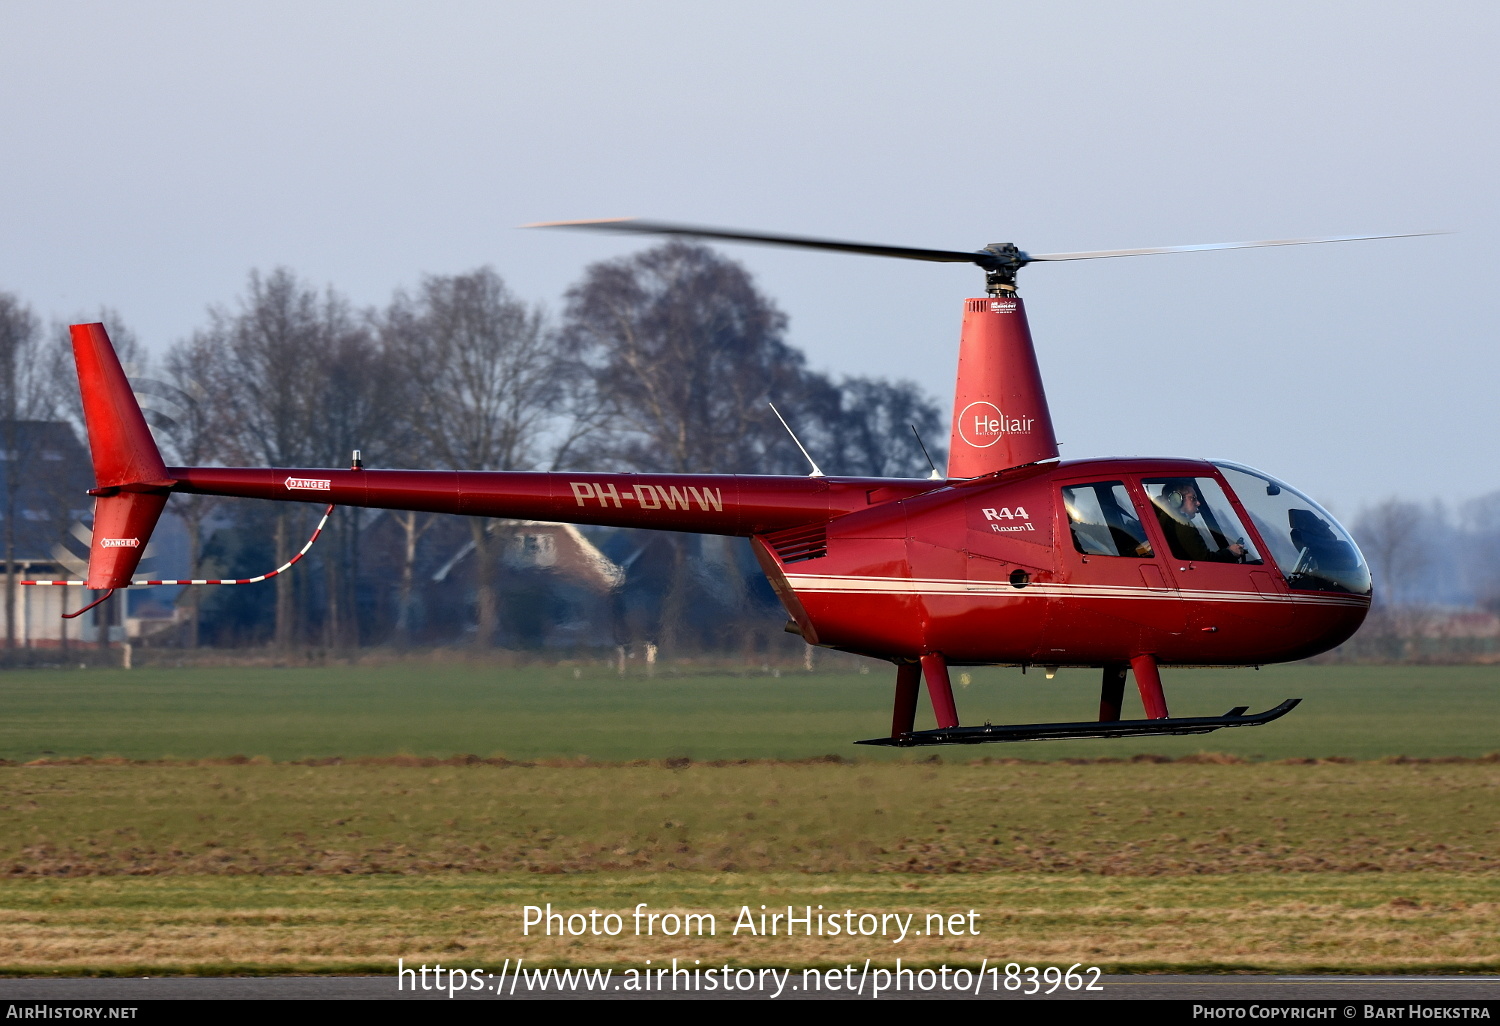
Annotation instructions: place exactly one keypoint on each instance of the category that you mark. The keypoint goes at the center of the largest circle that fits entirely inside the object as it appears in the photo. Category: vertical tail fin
(131, 482)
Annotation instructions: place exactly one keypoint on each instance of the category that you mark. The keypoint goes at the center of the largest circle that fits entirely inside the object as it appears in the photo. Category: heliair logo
(982, 424)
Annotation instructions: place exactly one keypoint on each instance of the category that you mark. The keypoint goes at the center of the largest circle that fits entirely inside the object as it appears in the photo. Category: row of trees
(661, 361)
(1433, 556)
(1437, 573)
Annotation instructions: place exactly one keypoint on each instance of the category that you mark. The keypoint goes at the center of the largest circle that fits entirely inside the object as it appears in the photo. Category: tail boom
(723, 504)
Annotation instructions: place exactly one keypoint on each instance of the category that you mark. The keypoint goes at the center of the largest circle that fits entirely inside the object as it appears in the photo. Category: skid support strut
(908, 681)
(1112, 693)
(1111, 696)
(1148, 680)
(940, 690)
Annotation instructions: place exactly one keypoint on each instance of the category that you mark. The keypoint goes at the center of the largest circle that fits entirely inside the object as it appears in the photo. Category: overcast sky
(152, 154)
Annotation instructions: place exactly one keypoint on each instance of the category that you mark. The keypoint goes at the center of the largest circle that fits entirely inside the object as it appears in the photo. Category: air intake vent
(800, 543)
(978, 305)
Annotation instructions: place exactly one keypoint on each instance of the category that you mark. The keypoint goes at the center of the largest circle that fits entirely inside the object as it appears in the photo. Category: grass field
(1135, 818)
(1272, 858)
(1342, 866)
(443, 710)
(1258, 922)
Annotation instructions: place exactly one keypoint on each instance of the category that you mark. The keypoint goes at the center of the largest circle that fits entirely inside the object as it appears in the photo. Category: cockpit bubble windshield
(1313, 551)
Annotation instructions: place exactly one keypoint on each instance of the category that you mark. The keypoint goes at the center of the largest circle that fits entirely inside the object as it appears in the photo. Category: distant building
(725, 603)
(555, 588)
(44, 515)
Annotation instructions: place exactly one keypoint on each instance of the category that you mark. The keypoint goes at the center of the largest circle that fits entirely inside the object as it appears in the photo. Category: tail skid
(79, 612)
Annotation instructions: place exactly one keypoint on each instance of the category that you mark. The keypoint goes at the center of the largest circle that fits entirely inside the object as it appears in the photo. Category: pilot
(1176, 507)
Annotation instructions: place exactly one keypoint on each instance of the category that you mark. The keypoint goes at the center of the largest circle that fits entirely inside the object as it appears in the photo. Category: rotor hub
(1001, 261)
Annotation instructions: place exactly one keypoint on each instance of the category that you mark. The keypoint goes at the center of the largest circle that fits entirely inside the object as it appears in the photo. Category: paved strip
(374, 988)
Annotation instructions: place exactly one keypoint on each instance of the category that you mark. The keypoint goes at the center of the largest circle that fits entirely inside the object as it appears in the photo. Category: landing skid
(1058, 731)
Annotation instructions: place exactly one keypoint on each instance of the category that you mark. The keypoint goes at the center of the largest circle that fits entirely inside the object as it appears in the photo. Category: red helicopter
(1013, 558)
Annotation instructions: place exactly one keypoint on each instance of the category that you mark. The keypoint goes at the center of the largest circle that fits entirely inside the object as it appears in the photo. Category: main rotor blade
(1101, 253)
(630, 224)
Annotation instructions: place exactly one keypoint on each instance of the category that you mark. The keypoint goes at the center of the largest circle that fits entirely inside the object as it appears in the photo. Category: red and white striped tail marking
(243, 580)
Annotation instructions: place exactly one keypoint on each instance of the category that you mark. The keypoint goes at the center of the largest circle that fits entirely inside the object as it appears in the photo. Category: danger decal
(309, 484)
(119, 543)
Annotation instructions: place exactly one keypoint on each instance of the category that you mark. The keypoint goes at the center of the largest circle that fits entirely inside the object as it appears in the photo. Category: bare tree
(360, 386)
(64, 398)
(289, 372)
(192, 433)
(484, 375)
(1480, 541)
(1396, 537)
(407, 445)
(413, 526)
(1393, 537)
(871, 431)
(683, 353)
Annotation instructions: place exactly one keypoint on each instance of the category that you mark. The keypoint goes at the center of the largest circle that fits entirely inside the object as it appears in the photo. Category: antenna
(815, 471)
(934, 476)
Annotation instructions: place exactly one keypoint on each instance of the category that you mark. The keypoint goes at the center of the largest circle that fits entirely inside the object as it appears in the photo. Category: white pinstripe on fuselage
(859, 585)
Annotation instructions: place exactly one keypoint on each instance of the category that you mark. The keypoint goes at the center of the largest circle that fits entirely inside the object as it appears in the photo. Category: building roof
(568, 553)
(45, 475)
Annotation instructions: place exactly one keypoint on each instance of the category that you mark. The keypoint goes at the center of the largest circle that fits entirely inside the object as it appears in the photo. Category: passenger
(1176, 507)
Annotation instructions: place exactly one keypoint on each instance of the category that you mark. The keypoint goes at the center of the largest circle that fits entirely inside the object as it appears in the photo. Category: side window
(1104, 521)
(1198, 521)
